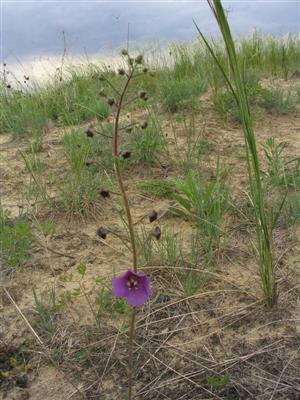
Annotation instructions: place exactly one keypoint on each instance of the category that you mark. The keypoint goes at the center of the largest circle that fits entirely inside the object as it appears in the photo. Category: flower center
(132, 282)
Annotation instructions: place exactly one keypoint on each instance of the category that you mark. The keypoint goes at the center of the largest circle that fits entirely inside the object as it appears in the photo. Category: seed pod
(104, 193)
(142, 94)
(89, 133)
(126, 154)
(144, 125)
(139, 59)
(121, 71)
(157, 232)
(110, 101)
(152, 216)
(102, 232)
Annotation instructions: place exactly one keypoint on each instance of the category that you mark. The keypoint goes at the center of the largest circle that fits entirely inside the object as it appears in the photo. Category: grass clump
(16, 238)
(147, 144)
(279, 101)
(46, 312)
(204, 202)
(175, 94)
(157, 188)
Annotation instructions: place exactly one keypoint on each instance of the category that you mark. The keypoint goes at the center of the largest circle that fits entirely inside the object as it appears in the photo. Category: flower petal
(120, 287)
(137, 296)
(145, 282)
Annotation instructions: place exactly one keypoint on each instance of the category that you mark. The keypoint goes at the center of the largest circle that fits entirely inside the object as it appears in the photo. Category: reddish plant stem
(130, 226)
(130, 355)
(118, 172)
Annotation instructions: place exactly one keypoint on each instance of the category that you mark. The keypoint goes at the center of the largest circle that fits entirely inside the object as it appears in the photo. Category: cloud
(35, 28)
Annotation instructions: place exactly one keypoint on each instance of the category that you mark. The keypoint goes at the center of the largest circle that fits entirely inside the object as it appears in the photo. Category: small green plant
(78, 149)
(16, 238)
(147, 144)
(175, 93)
(225, 101)
(157, 188)
(80, 194)
(219, 382)
(107, 304)
(204, 202)
(274, 153)
(279, 101)
(47, 311)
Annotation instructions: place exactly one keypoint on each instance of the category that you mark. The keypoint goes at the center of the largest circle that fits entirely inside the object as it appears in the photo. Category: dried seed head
(145, 70)
(157, 232)
(139, 59)
(126, 154)
(124, 52)
(142, 94)
(104, 193)
(110, 101)
(102, 232)
(121, 71)
(8, 86)
(153, 216)
(144, 125)
(26, 78)
(89, 133)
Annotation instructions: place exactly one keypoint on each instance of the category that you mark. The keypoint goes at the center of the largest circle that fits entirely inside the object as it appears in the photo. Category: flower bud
(121, 71)
(144, 125)
(152, 216)
(157, 232)
(139, 59)
(104, 193)
(89, 133)
(126, 154)
(102, 232)
(142, 94)
(110, 101)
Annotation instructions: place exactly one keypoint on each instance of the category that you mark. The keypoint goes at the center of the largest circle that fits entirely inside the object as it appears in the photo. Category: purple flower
(133, 286)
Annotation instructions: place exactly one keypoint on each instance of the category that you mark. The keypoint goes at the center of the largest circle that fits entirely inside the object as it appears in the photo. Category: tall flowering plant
(134, 286)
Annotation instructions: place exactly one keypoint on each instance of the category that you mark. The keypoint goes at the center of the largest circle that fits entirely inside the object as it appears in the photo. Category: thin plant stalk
(116, 154)
(237, 86)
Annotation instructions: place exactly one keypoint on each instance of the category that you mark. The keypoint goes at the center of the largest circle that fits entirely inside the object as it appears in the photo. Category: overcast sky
(34, 28)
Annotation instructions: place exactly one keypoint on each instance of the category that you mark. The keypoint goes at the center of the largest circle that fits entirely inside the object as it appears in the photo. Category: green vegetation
(16, 238)
(217, 246)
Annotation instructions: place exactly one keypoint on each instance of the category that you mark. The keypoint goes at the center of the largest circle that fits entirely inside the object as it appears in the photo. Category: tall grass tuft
(237, 86)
